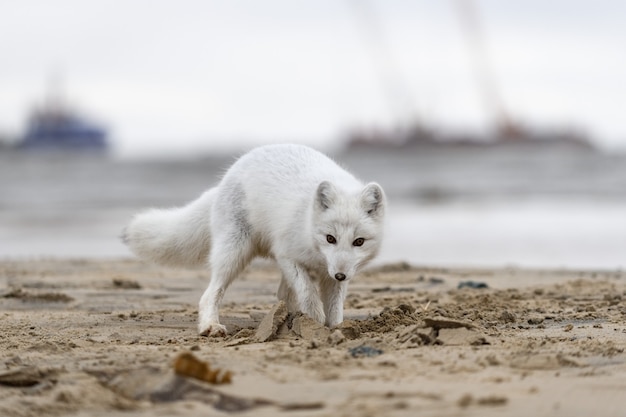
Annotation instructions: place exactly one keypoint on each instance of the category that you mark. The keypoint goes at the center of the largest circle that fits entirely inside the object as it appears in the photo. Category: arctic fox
(286, 202)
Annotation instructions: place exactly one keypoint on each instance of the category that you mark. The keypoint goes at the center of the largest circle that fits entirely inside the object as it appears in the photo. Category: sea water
(532, 206)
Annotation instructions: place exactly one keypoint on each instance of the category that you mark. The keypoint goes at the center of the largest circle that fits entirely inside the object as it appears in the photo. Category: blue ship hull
(63, 131)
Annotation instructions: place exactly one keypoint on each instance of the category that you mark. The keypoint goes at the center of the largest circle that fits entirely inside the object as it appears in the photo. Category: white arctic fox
(287, 202)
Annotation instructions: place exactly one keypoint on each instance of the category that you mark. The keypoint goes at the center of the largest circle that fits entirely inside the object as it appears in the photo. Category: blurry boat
(56, 127)
(514, 136)
(506, 131)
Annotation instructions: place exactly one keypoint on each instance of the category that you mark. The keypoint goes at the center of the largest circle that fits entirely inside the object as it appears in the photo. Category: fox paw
(213, 330)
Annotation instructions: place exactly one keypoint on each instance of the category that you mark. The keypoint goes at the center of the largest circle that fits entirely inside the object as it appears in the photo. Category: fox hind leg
(231, 252)
(227, 262)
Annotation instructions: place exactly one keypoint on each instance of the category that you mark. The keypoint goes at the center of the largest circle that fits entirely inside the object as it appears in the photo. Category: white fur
(277, 201)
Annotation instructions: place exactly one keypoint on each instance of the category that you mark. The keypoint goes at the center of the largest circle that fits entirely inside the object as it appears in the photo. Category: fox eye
(358, 242)
(331, 239)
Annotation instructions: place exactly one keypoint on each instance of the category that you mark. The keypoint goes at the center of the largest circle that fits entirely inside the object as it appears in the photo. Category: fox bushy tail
(175, 237)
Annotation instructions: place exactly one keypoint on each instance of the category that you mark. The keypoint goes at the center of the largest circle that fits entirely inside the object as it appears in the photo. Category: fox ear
(325, 195)
(373, 199)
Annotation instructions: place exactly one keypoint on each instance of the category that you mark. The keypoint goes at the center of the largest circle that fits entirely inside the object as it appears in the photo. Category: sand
(101, 338)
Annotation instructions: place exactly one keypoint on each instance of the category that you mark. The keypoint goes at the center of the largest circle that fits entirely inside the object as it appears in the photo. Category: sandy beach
(102, 337)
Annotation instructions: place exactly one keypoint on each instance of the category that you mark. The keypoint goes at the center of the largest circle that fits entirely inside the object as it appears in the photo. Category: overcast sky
(177, 75)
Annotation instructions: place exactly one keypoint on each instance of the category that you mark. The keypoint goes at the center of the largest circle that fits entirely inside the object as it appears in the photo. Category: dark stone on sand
(48, 297)
(364, 351)
(535, 320)
(472, 284)
(126, 284)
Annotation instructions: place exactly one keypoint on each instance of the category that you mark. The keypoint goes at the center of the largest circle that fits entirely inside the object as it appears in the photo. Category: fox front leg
(333, 295)
(304, 289)
(286, 294)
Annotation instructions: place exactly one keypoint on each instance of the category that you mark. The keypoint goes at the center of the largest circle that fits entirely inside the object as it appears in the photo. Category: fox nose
(339, 276)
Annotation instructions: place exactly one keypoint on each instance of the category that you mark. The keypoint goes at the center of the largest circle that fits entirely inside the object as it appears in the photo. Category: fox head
(348, 227)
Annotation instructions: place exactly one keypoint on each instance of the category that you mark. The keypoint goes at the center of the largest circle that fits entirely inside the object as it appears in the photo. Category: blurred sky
(172, 75)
